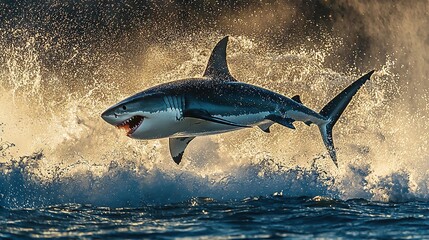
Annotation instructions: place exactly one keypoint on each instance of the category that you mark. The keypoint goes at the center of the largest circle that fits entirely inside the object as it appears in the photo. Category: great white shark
(217, 103)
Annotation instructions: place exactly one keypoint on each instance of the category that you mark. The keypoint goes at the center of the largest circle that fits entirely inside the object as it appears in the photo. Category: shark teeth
(131, 124)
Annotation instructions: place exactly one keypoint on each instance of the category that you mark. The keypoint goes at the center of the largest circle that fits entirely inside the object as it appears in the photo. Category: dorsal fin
(297, 99)
(217, 68)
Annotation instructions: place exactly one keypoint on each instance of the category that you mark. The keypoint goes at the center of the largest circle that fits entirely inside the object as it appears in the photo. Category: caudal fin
(333, 110)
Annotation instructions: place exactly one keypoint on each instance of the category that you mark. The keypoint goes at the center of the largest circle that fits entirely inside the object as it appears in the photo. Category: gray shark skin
(218, 103)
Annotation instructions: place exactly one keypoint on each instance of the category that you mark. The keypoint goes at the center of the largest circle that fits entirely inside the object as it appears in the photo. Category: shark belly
(165, 124)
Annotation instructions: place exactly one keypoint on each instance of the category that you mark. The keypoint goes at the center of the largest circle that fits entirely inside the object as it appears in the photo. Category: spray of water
(54, 147)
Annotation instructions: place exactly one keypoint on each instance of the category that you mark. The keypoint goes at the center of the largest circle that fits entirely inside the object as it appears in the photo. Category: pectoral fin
(178, 146)
(287, 122)
(203, 114)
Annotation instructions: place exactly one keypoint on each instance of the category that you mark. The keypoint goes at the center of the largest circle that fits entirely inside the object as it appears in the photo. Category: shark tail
(333, 110)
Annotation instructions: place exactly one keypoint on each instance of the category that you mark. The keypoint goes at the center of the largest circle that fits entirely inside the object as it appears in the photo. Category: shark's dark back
(232, 95)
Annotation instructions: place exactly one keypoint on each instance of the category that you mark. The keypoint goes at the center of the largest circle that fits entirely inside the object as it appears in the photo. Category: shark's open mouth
(131, 124)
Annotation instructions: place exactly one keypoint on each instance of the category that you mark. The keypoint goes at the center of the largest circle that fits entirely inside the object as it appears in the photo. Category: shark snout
(111, 117)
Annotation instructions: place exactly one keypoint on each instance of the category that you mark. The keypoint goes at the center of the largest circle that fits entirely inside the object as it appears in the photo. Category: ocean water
(249, 218)
(65, 173)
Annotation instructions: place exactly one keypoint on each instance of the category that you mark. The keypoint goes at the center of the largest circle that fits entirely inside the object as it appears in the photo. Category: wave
(131, 185)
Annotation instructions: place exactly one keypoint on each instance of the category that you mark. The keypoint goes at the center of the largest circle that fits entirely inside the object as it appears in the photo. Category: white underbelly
(166, 124)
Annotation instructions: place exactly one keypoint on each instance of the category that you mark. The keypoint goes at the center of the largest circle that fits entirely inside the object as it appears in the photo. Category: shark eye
(124, 107)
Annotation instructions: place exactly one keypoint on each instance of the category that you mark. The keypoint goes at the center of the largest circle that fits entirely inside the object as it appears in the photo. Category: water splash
(56, 149)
